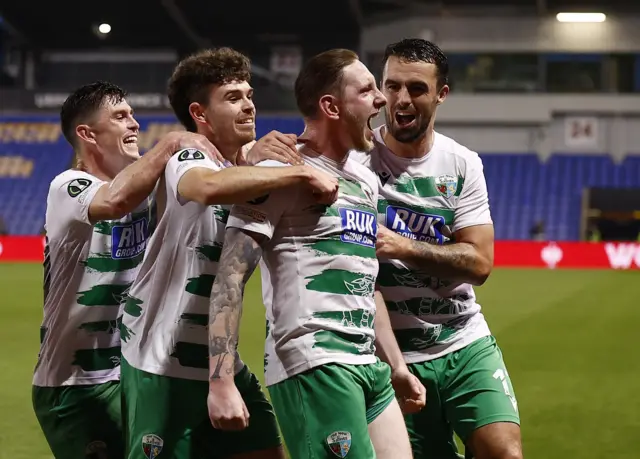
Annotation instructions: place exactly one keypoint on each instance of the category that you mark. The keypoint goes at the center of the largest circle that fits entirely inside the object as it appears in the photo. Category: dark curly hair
(194, 76)
(415, 50)
(84, 102)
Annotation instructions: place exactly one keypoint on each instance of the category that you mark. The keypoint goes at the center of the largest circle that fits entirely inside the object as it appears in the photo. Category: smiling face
(230, 114)
(359, 102)
(413, 95)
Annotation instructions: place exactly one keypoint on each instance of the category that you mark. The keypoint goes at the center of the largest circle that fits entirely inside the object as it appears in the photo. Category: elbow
(116, 207)
(481, 272)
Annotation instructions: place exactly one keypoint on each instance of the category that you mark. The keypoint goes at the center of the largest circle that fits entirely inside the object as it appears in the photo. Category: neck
(416, 149)
(89, 163)
(227, 149)
(318, 136)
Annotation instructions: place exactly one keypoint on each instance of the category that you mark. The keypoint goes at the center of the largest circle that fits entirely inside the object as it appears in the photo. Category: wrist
(220, 382)
(302, 173)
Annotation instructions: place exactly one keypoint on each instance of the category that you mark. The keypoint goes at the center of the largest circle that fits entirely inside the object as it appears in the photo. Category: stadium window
(502, 72)
(574, 73)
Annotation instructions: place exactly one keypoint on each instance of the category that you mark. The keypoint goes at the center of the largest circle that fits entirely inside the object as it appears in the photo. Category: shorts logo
(190, 154)
(96, 450)
(446, 185)
(129, 240)
(339, 443)
(152, 445)
(77, 186)
(358, 227)
(417, 226)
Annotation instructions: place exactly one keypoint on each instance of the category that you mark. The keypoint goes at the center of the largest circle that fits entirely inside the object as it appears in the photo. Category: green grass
(569, 339)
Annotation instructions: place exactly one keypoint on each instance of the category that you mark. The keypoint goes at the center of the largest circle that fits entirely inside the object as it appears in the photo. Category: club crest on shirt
(339, 443)
(77, 186)
(446, 185)
(358, 227)
(152, 445)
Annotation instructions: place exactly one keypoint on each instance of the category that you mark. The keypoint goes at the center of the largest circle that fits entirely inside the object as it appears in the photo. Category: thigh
(388, 434)
(322, 414)
(478, 389)
(430, 432)
(81, 422)
(260, 439)
(161, 413)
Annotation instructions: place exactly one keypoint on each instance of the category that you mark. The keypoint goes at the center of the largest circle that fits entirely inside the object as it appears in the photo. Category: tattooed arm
(239, 259)
(240, 256)
(469, 259)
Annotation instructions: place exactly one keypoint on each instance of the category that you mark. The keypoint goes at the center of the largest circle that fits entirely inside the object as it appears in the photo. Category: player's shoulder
(72, 181)
(447, 145)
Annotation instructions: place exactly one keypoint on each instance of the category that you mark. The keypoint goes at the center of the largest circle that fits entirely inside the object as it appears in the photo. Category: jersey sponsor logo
(446, 185)
(129, 240)
(190, 154)
(339, 443)
(255, 215)
(152, 445)
(77, 186)
(417, 226)
(259, 200)
(358, 227)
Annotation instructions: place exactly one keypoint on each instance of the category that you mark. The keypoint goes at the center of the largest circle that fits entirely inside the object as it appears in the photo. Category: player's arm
(131, 186)
(409, 390)
(239, 184)
(240, 256)
(470, 257)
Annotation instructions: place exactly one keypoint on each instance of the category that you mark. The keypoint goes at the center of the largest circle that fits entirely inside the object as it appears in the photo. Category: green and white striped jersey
(87, 270)
(164, 327)
(318, 270)
(428, 199)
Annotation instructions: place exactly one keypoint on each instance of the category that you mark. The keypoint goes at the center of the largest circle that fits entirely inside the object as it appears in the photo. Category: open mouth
(405, 119)
(246, 122)
(370, 121)
(130, 140)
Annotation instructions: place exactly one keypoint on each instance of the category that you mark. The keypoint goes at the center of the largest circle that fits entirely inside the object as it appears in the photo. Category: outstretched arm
(240, 256)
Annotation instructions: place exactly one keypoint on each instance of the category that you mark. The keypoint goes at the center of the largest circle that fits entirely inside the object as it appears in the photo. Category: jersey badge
(384, 177)
(358, 227)
(77, 186)
(152, 445)
(446, 185)
(190, 154)
(339, 443)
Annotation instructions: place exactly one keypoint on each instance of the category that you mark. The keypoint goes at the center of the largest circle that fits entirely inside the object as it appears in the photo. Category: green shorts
(169, 417)
(81, 422)
(466, 390)
(325, 412)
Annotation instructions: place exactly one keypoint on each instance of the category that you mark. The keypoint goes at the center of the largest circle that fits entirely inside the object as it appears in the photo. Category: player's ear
(442, 94)
(329, 107)
(84, 132)
(196, 111)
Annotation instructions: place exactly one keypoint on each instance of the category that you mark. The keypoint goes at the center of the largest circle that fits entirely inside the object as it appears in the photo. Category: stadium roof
(190, 23)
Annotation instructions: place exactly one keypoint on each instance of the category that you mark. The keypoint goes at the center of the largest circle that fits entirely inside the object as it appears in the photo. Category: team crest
(339, 443)
(77, 186)
(189, 154)
(446, 185)
(152, 445)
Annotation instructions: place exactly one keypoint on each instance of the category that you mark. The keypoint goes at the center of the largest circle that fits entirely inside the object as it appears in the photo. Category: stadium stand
(523, 189)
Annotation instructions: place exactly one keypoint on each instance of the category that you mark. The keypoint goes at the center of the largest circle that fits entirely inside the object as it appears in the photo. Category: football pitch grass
(570, 341)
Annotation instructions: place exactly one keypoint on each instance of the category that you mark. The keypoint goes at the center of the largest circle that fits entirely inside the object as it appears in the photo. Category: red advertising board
(523, 254)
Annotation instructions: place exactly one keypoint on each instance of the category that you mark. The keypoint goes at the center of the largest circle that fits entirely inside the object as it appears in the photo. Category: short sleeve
(473, 206)
(70, 196)
(261, 215)
(183, 161)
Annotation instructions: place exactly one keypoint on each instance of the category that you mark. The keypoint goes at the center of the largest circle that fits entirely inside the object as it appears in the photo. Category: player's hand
(389, 244)
(411, 394)
(227, 410)
(275, 145)
(179, 140)
(323, 186)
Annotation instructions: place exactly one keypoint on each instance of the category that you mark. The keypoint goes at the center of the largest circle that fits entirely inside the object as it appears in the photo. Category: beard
(407, 134)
